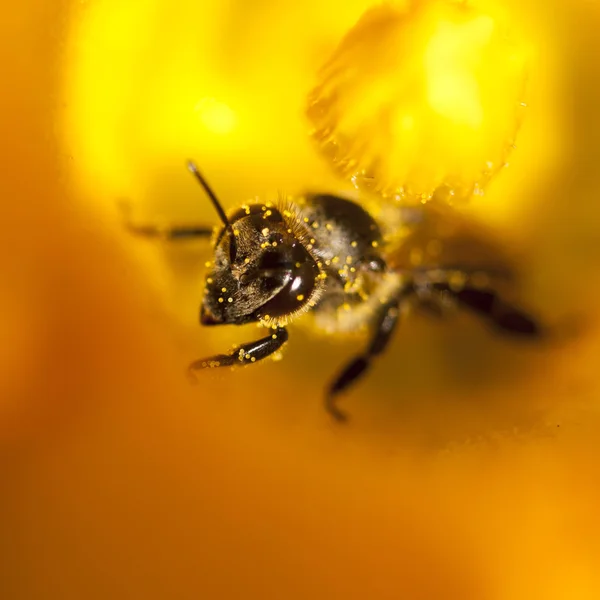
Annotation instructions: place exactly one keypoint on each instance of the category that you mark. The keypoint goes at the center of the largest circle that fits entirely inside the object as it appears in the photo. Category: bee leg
(501, 315)
(184, 232)
(383, 329)
(245, 354)
(171, 232)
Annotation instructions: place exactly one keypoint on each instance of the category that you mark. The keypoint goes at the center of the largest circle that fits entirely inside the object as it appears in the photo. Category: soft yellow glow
(216, 116)
(452, 481)
(421, 99)
(140, 88)
(450, 58)
(150, 84)
(431, 101)
(407, 122)
(99, 89)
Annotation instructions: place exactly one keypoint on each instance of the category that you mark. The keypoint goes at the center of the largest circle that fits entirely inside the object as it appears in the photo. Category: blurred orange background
(469, 468)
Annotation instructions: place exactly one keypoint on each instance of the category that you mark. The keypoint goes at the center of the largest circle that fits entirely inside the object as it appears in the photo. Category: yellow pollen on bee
(236, 232)
(348, 260)
(223, 290)
(287, 213)
(263, 207)
(229, 299)
(374, 243)
(274, 244)
(309, 247)
(327, 262)
(346, 306)
(274, 336)
(207, 264)
(268, 213)
(265, 231)
(209, 280)
(315, 225)
(320, 265)
(306, 219)
(253, 359)
(246, 261)
(335, 260)
(329, 227)
(352, 269)
(354, 244)
(220, 300)
(312, 240)
(289, 231)
(298, 265)
(300, 297)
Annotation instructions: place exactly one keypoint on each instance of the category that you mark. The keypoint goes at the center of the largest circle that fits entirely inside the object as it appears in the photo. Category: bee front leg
(245, 354)
(179, 232)
(165, 232)
(384, 328)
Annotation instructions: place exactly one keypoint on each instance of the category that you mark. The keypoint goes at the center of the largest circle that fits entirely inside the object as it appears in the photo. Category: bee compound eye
(274, 260)
(295, 293)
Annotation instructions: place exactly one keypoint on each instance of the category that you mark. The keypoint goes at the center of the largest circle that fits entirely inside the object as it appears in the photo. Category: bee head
(260, 272)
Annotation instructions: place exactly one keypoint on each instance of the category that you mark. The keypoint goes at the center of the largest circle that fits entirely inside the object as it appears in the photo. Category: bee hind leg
(501, 315)
(384, 328)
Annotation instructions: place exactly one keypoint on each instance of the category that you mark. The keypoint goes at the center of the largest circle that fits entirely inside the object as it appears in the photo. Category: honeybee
(326, 255)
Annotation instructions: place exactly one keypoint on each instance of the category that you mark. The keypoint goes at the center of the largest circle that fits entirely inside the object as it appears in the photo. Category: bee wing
(453, 260)
(439, 238)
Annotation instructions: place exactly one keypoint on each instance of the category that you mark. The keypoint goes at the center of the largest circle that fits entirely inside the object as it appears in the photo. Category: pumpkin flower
(469, 469)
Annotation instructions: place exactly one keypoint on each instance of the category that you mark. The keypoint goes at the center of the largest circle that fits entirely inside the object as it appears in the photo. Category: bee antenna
(194, 171)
